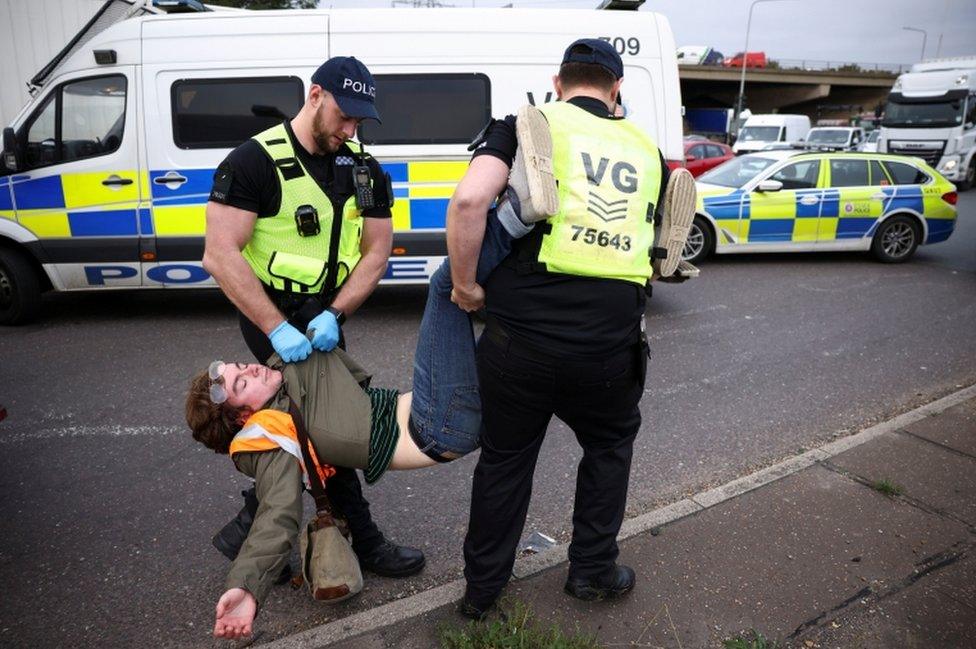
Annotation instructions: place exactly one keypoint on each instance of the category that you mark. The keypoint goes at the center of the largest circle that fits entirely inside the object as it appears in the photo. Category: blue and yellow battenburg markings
(60, 206)
(824, 214)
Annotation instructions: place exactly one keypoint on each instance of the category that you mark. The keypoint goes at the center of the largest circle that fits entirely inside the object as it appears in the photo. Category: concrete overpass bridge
(821, 94)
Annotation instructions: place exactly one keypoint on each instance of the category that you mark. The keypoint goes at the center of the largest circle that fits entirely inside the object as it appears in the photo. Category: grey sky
(866, 31)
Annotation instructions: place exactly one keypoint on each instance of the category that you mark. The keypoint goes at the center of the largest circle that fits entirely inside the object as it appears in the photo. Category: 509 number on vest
(601, 238)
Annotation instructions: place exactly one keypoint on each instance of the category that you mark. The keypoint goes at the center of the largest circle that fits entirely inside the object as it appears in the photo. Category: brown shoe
(679, 212)
(532, 176)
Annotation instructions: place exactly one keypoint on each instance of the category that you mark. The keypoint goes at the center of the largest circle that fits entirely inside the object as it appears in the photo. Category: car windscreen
(737, 171)
(828, 136)
(759, 134)
(874, 135)
(931, 113)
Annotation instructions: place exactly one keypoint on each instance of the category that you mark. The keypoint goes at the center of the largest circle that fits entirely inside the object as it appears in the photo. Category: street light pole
(745, 57)
(925, 37)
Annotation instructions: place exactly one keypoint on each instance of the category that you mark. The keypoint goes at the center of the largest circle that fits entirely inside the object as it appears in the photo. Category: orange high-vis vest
(267, 430)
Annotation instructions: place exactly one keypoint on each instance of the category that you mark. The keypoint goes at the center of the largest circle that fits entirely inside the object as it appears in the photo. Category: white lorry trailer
(931, 114)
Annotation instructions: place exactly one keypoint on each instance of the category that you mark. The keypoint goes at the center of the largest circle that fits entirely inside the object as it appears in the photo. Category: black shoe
(615, 582)
(231, 536)
(391, 560)
(473, 611)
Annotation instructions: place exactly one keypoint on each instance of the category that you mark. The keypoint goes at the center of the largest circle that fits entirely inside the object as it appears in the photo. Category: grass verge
(756, 641)
(515, 626)
(888, 488)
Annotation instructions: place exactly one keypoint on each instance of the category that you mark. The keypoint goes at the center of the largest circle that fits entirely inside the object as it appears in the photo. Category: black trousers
(345, 490)
(520, 392)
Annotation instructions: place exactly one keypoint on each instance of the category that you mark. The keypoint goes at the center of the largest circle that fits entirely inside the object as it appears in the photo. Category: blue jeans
(445, 415)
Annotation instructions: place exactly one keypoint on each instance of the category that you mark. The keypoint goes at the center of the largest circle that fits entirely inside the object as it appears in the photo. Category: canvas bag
(329, 565)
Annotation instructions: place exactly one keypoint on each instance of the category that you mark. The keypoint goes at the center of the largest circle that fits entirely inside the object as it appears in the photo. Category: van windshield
(759, 134)
(737, 171)
(934, 113)
(828, 136)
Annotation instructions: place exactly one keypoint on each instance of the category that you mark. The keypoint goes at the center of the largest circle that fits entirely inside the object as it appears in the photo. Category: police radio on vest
(359, 86)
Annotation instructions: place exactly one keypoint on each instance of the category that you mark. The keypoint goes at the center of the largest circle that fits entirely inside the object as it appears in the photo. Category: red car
(701, 156)
(751, 59)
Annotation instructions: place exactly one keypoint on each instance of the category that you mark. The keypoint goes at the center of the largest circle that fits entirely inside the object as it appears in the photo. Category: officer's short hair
(574, 74)
(213, 424)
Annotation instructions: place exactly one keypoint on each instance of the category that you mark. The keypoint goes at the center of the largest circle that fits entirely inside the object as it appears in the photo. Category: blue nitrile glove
(324, 330)
(290, 344)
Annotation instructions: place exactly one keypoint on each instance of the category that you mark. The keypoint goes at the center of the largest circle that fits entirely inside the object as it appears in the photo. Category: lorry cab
(107, 171)
(931, 114)
(760, 131)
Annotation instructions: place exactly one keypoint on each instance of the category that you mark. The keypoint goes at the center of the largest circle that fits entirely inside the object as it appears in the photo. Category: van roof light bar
(621, 5)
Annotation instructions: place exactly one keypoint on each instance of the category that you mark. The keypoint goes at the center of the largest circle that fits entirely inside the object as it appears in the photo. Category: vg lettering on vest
(622, 174)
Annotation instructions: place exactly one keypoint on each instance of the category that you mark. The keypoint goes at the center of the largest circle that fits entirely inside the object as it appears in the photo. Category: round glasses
(218, 393)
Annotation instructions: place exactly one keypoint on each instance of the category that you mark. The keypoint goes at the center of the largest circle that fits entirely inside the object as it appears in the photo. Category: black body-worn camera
(307, 221)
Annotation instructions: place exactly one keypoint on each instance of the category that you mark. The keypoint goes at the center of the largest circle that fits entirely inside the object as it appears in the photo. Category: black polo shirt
(563, 315)
(253, 184)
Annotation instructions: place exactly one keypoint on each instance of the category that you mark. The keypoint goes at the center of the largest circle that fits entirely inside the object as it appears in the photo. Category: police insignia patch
(221, 184)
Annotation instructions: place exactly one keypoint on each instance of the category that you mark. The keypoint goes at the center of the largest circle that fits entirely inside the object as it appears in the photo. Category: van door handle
(170, 178)
(116, 181)
(809, 200)
(878, 197)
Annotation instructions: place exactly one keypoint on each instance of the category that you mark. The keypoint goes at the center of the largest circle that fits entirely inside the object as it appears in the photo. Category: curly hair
(213, 424)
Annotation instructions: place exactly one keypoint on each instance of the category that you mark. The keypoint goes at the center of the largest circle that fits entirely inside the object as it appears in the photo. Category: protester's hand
(469, 298)
(324, 331)
(235, 614)
(289, 342)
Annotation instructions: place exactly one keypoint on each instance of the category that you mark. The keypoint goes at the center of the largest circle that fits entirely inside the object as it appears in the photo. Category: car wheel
(700, 241)
(969, 178)
(20, 288)
(896, 240)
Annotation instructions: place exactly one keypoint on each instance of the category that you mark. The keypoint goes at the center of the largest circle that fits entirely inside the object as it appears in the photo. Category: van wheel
(700, 241)
(970, 177)
(20, 288)
(896, 240)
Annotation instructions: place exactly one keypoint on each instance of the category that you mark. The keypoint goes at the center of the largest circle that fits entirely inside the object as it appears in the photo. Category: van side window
(429, 109)
(849, 173)
(42, 147)
(80, 119)
(904, 174)
(223, 113)
(799, 175)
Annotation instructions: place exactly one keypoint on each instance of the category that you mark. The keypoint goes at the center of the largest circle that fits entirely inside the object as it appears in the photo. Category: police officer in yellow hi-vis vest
(564, 312)
(299, 233)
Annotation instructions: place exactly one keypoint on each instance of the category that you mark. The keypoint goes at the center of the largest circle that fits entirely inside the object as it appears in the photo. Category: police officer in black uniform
(298, 235)
(564, 326)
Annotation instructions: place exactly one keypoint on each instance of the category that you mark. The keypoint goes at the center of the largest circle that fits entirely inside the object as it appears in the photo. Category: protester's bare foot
(235, 614)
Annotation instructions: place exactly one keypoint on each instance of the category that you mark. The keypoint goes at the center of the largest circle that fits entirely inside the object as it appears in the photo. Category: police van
(108, 169)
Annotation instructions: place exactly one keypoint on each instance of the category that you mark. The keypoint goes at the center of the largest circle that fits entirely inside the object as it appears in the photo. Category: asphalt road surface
(108, 505)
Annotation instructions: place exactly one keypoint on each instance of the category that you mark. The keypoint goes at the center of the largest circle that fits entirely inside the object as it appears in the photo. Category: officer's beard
(323, 138)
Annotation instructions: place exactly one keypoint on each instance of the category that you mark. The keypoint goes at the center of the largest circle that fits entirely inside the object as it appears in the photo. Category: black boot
(231, 536)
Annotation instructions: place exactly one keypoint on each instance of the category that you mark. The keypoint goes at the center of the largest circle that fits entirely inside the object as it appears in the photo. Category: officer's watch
(339, 315)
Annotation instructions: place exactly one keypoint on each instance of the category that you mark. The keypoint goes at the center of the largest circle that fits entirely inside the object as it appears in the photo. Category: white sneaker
(679, 212)
(531, 176)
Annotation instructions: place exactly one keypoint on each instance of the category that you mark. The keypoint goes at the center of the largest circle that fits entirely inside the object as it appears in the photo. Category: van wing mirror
(769, 186)
(11, 159)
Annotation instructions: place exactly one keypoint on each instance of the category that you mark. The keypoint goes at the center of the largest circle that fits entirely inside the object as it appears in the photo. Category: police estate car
(784, 201)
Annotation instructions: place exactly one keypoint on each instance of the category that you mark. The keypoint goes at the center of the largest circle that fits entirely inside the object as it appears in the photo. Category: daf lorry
(931, 114)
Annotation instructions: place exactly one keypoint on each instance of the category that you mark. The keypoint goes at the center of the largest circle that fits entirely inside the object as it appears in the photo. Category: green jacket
(326, 387)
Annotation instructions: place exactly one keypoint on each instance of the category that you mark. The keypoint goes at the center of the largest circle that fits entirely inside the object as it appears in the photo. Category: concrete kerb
(415, 605)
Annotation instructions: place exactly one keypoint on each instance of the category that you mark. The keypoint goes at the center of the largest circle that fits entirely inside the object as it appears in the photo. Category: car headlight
(950, 165)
